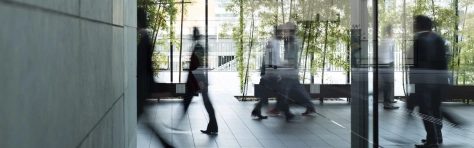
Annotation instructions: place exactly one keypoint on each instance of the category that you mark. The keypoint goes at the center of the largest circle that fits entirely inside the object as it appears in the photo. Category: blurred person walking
(386, 60)
(430, 77)
(269, 80)
(145, 74)
(197, 82)
(272, 76)
(290, 79)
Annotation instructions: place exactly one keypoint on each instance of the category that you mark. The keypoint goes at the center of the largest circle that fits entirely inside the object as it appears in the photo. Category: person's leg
(259, 105)
(257, 111)
(427, 110)
(276, 87)
(187, 99)
(212, 126)
(283, 97)
(278, 105)
(430, 127)
(141, 107)
(437, 97)
(303, 96)
(286, 109)
(391, 75)
(438, 123)
(387, 93)
(412, 102)
(387, 88)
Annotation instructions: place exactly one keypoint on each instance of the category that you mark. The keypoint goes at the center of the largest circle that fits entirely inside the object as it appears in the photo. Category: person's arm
(276, 54)
(440, 60)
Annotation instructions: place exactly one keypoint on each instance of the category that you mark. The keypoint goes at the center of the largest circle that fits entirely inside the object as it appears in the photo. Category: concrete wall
(68, 73)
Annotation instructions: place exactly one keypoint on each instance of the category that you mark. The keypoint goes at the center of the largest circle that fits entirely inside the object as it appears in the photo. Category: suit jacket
(144, 65)
(192, 82)
(430, 60)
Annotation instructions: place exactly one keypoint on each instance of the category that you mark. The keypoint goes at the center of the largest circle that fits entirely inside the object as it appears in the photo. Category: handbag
(192, 83)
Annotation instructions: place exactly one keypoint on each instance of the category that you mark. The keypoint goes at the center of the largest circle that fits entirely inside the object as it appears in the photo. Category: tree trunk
(181, 42)
(291, 6)
(324, 52)
(348, 58)
(157, 29)
(282, 12)
(404, 45)
(434, 20)
(307, 50)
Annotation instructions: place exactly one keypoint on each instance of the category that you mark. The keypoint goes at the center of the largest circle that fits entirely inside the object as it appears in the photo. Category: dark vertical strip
(348, 58)
(171, 48)
(207, 45)
(181, 41)
(375, 97)
(456, 41)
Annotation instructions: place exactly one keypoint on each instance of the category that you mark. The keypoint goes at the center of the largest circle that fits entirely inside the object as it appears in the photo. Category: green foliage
(271, 13)
(445, 21)
(159, 12)
(159, 60)
(465, 68)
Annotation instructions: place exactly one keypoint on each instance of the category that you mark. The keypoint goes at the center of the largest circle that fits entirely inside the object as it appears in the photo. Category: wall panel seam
(100, 120)
(128, 26)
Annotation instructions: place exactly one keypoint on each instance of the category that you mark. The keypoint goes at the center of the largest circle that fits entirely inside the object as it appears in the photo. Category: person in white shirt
(386, 60)
(271, 76)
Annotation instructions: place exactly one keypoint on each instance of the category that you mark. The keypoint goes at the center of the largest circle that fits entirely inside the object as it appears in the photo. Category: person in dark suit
(430, 77)
(197, 82)
(145, 72)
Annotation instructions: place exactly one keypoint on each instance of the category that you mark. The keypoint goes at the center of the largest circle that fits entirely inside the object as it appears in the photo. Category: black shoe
(440, 140)
(290, 117)
(256, 114)
(209, 132)
(394, 102)
(390, 107)
(425, 145)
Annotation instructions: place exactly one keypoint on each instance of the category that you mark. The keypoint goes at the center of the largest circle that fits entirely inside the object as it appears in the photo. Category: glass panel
(429, 62)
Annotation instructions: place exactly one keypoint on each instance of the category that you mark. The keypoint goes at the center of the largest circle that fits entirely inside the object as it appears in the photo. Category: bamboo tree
(268, 19)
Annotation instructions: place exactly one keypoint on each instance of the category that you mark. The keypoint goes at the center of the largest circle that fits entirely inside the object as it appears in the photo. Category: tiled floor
(329, 128)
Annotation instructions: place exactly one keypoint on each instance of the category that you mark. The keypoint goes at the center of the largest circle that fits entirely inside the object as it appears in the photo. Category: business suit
(145, 80)
(144, 69)
(430, 77)
(197, 75)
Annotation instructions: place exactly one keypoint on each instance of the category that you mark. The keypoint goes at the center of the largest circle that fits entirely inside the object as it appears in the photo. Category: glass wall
(366, 67)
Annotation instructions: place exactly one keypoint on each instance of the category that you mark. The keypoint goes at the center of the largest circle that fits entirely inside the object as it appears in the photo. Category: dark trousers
(212, 125)
(270, 87)
(387, 76)
(285, 106)
(429, 102)
(292, 87)
(273, 86)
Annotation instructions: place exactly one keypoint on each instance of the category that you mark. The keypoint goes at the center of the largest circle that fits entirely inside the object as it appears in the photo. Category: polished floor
(330, 128)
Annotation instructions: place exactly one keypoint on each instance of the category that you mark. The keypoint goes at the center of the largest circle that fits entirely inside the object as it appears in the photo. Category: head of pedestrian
(290, 29)
(388, 30)
(142, 22)
(422, 23)
(279, 33)
(196, 34)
